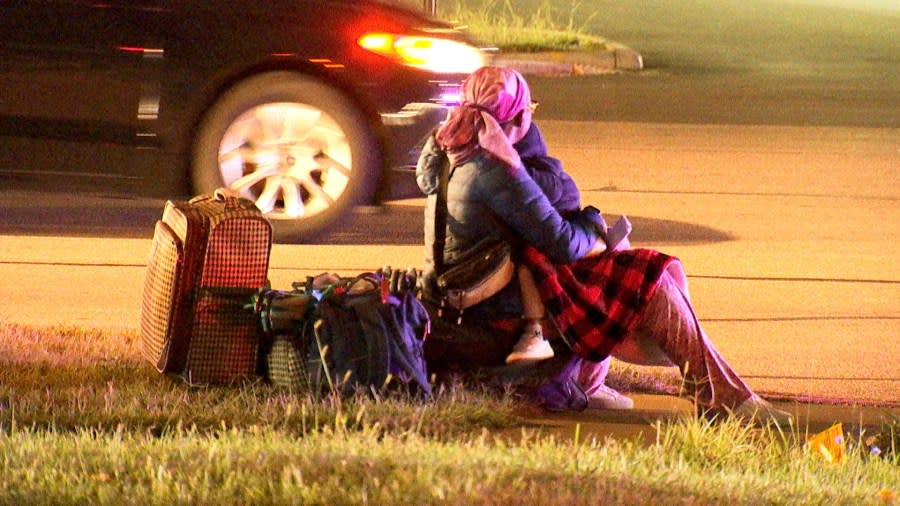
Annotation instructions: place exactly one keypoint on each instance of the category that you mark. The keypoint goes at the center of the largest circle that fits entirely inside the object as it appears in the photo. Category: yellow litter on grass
(828, 444)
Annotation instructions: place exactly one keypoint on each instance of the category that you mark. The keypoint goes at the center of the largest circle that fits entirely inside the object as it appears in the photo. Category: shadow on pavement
(390, 224)
(403, 225)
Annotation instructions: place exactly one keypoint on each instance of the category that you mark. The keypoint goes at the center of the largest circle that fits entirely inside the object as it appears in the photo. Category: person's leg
(579, 385)
(669, 332)
(533, 306)
(563, 392)
(531, 345)
(592, 378)
(669, 325)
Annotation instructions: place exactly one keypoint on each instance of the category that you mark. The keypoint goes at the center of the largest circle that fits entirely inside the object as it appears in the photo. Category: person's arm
(560, 188)
(518, 201)
(428, 167)
(598, 249)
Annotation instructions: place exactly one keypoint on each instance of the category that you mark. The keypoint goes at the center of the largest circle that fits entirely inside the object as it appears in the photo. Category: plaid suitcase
(208, 257)
(286, 362)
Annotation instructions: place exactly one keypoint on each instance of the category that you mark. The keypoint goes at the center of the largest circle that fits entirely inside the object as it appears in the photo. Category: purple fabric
(492, 96)
(563, 391)
(548, 173)
(595, 302)
(670, 322)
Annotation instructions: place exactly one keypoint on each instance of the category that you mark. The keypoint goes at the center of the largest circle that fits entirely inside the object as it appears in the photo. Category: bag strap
(440, 218)
(440, 221)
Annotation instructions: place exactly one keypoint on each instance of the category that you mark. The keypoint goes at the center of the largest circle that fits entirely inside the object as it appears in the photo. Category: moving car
(307, 107)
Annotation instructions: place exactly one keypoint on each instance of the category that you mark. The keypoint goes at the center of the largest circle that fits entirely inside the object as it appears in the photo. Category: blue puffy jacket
(548, 173)
(488, 199)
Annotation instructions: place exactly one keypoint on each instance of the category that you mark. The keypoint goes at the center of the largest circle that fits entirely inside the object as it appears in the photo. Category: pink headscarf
(492, 96)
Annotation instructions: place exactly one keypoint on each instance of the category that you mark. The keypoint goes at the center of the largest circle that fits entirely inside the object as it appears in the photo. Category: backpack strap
(394, 333)
(440, 218)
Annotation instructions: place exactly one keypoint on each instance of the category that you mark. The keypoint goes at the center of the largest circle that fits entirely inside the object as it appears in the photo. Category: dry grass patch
(84, 419)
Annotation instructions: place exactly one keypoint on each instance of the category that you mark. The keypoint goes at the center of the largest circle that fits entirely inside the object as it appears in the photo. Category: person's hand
(493, 138)
(598, 249)
(224, 192)
(595, 217)
(591, 216)
(611, 239)
(617, 235)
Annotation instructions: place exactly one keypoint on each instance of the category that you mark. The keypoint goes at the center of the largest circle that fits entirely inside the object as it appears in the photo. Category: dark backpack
(365, 331)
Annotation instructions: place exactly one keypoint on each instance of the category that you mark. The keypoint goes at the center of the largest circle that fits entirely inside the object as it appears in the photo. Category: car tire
(297, 147)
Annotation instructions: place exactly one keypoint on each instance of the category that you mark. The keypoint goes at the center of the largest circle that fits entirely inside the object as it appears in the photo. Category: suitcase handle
(231, 199)
(223, 194)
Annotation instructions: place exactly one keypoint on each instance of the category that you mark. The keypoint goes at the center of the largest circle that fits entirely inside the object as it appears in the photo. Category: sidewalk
(811, 417)
(651, 408)
(568, 63)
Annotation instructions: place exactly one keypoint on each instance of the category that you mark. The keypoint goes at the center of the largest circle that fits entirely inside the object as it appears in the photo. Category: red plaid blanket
(596, 301)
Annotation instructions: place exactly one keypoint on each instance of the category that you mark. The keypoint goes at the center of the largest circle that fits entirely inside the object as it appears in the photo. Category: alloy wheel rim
(293, 160)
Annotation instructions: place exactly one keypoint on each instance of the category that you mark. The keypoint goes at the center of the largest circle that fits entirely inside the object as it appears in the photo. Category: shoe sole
(528, 360)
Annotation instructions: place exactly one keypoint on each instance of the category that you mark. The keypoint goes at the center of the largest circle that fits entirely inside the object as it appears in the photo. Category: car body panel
(103, 95)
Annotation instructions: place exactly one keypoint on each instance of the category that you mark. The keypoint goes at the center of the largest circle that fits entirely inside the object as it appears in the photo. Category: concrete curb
(614, 58)
(649, 409)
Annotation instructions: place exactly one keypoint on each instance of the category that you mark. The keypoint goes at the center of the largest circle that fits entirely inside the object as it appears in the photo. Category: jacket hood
(428, 168)
(532, 145)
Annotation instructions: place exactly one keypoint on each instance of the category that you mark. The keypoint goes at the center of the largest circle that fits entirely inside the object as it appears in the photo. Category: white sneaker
(758, 411)
(532, 347)
(603, 397)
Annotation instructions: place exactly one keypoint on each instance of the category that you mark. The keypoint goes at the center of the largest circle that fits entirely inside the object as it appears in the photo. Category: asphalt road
(752, 62)
(790, 236)
(767, 158)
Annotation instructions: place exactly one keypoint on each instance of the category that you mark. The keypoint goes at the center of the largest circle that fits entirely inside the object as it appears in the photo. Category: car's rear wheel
(294, 145)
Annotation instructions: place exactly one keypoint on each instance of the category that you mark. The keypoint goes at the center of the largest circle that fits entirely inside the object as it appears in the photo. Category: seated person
(632, 304)
(563, 194)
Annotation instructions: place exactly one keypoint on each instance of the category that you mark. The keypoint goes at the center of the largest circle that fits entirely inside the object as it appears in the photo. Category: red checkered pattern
(287, 366)
(237, 254)
(193, 320)
(596, 301)
(223, 339)
(224, 334)
(160, 287)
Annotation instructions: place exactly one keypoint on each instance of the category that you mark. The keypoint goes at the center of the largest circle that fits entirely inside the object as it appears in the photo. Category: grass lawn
(85, 419)
(510, 26)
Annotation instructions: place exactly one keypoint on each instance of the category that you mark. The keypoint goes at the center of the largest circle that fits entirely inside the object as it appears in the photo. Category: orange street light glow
(427, 53)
